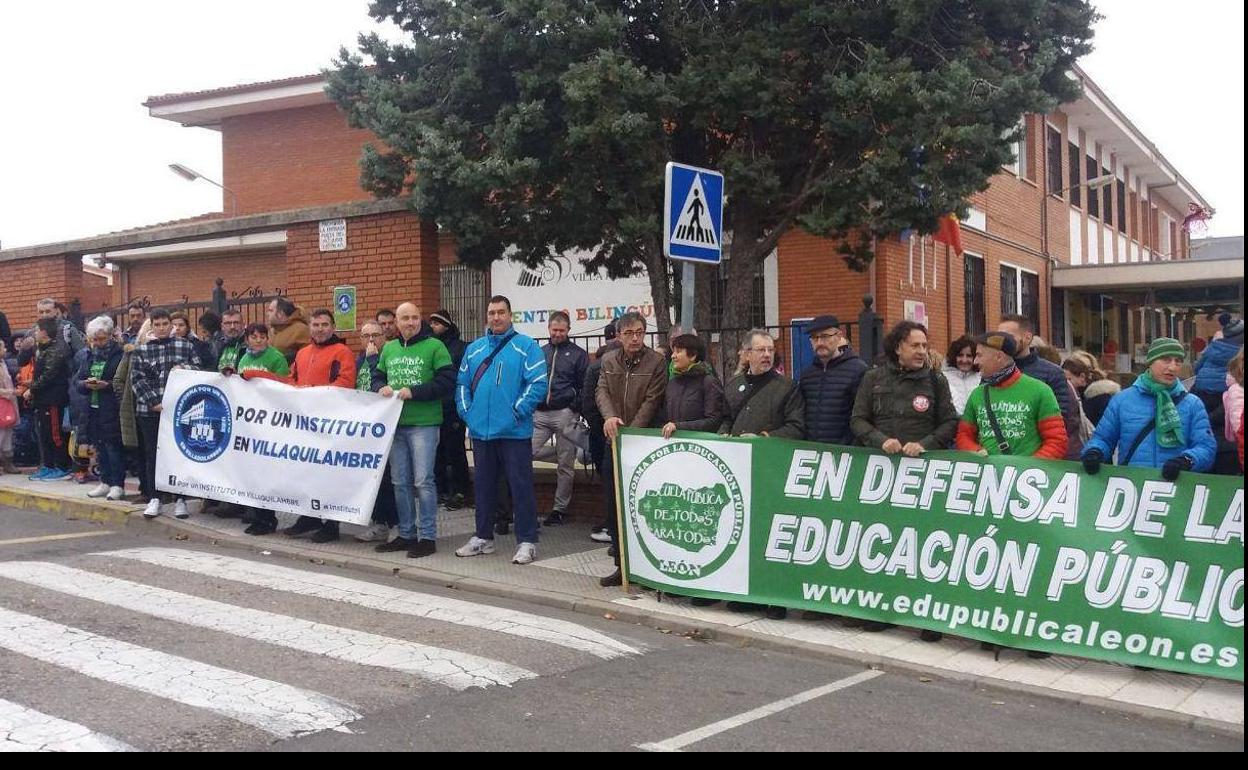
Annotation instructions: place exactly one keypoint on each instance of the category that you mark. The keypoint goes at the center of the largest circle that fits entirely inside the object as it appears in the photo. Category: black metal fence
(252, 302)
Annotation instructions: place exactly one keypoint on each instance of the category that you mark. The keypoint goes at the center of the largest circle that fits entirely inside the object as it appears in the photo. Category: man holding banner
(1010, 413)
(326, 362)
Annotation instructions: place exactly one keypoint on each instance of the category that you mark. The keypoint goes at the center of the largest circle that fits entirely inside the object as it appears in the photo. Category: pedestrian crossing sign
(693, 214)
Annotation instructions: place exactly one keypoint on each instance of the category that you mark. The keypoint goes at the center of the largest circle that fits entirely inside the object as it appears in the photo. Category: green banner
(1121, 566)
(344, 308)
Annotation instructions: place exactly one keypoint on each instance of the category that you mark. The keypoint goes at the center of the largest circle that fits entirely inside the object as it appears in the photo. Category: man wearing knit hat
(1155, 423)
(452, 470)
(1010, 413)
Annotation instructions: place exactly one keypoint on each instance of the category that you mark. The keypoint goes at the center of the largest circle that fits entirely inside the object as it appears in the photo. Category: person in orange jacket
(326, 362)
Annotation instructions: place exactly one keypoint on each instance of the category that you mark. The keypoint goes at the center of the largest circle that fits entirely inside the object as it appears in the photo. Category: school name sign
(1122, 566)
(314, 451)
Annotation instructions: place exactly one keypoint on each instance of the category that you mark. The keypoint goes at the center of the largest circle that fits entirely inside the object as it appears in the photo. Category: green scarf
(1166, 422)
(698, 368)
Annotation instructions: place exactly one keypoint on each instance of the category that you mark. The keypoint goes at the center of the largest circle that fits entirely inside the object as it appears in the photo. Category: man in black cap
(828, 385)
(452, 463)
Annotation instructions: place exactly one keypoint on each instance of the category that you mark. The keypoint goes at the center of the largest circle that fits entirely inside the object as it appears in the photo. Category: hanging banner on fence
(1121, 566)
(313, 451)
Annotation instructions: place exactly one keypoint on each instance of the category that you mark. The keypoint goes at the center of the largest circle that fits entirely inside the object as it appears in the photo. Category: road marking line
(52, 538)
(278, 709)
(384, 598)
(695, 736)
(23, 729)
(457, 670)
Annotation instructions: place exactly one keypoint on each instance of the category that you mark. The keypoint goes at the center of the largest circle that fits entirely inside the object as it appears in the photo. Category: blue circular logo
(202, 423)
(345, 303)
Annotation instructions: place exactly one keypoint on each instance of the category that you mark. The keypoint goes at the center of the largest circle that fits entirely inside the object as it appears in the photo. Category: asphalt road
(113, 640)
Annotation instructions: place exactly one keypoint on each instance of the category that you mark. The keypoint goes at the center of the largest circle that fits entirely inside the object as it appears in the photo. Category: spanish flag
(950, 233)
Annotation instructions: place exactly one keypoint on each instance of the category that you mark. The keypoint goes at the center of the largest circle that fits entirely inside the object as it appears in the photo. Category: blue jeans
(412, 463)
(511, 459)
(109, 453)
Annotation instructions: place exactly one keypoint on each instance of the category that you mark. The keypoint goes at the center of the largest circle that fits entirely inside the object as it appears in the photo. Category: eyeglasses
(763, 350)
(825, 337)
(634, 333)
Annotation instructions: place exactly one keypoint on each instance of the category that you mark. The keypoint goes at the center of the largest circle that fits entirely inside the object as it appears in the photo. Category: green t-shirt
(97, 371)
(1020, 410)
(271, 361)
(230, 356)
(407, 366)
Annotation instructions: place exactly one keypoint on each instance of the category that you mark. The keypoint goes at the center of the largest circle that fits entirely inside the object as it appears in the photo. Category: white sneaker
(115, 493)
(476, 547)
(153, 508)
(376, 533)
(600, 535)
(99, 491)
(179, 510)
(525, 554)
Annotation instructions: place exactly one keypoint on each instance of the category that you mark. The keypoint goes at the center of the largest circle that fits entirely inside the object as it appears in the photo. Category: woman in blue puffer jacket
(1155, 423)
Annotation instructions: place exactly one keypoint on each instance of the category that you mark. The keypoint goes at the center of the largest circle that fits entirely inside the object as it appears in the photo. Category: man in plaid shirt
(152, 364)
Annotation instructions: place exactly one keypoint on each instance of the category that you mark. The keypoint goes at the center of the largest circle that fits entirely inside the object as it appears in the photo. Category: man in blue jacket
(1155, 423)
(830, 384)
(501, 381)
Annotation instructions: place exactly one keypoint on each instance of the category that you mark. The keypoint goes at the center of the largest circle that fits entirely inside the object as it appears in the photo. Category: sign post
(344, 308)
(693, 225)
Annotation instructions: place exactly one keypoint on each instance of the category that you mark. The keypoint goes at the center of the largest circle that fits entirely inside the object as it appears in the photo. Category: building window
(1165, 244)
(1075, 169)
(1053, 160)
(976, 320)
(1057, 318)
(1122, 206)
(1094, 200)
(758, 296)
(1020, 293)
(1021, 164)
(1107, 199)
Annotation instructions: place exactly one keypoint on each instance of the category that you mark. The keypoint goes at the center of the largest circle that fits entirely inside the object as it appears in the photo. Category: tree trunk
(746, 257)
(660, 290)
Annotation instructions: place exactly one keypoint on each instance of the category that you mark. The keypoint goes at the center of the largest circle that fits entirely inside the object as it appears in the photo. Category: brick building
(1082, 262)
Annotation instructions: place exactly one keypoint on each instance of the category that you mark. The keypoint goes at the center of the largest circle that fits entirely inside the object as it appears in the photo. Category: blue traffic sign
(693, 214)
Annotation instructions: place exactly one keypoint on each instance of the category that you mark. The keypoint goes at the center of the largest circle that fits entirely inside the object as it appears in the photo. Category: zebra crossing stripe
(384, 598)
(275, 708)
(23, 729)
(457, 670)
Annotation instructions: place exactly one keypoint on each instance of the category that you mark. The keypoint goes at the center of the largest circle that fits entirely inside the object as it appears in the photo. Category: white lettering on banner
(311, 451)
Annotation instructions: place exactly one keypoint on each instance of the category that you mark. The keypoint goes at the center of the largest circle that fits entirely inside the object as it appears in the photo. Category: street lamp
(191, 175)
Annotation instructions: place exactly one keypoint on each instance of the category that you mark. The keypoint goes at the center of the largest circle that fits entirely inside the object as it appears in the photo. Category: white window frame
(1018, 288)
(1019, 166)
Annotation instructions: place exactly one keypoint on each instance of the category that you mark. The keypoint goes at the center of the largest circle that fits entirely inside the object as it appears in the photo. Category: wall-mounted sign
(333, 235)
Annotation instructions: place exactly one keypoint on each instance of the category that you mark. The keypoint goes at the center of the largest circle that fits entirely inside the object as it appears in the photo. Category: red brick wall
(814, 280)
(26, 281)
(292, 159)
(390, 259)
(168, 280)
(96, 294)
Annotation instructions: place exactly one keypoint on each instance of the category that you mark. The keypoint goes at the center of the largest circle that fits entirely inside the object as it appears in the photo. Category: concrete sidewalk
(566, 574)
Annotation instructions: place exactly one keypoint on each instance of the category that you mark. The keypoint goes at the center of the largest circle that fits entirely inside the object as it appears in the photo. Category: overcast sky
(79, 155)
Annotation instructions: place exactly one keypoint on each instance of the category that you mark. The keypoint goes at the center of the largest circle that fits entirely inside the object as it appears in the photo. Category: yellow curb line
(52, 538)
(79, 510)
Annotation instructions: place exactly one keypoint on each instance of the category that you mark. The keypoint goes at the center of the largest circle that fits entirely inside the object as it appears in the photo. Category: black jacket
(589, 403)
(51, 384)
(694, 401)
(566, 366)
(109, 409)
(6, 334)
(767, 403)
(829, 390)
(1067, 400)
(456, 347)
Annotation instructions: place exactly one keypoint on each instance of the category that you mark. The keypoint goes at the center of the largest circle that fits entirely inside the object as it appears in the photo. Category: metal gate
(464, 295)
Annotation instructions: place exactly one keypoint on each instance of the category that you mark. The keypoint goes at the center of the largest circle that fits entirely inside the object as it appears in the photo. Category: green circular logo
(686, 510)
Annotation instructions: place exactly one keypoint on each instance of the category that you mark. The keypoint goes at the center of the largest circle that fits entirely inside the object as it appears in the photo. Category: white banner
(561, 283)
(313, 451)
